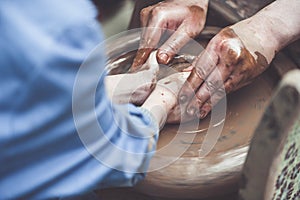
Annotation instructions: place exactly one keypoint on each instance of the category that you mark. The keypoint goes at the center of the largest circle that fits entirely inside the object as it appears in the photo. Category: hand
(186, 18)
(136, 87)
(174, 83)
(232, 59)
(163, 99)
(238, 54)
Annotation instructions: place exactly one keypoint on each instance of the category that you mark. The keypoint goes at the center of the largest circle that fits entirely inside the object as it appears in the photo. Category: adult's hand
(224, 66)
(235, 56)
(185, 17)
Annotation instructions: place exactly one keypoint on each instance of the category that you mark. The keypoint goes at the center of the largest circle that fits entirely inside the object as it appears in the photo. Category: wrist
(282, 21)
(256, 37)
(273, 28)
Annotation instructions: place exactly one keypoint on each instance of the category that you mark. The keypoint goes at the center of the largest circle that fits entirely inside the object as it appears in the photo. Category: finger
(177, 115)
(211, 85)
(203, 66)
(223, 72)
(233, 83)
(188, 69)
(140, 58)
(147, 44)
(169, 49)
(211, 102)
(149, 40)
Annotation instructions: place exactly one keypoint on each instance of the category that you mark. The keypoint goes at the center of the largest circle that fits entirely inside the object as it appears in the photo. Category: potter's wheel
(191, 176)
(217, 173)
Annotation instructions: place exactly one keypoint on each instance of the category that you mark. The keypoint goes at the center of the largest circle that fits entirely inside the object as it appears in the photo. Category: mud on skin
(186, 18)
(227, 63)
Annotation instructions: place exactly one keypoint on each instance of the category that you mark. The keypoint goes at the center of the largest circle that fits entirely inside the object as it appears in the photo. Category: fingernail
(164, 58)
(182, 99)
(191, 111)
(202, 114)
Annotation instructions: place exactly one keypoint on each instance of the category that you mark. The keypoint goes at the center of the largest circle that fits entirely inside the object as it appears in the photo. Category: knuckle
(207, 105)
(157, 12)
(232, 50)
(200, 72)
(220, 92)
(229, 86)
(171, 47)
(199, 94)
(211, 86)
(198, 99)
(196, 102)
(197, 18)
(196, 10)
(145, 12)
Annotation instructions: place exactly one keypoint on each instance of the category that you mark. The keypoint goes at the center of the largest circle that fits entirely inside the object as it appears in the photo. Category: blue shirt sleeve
(50, 145)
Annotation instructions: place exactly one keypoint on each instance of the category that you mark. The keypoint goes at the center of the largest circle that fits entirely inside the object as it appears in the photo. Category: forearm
(275, 26)
(284, 21)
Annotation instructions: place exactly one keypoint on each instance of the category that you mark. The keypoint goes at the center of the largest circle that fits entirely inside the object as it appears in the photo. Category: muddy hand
(226, 65)
(186, 18)
(238, 54)
(174, 83)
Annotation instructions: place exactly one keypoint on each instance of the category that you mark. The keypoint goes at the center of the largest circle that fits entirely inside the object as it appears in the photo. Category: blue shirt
(46, 150)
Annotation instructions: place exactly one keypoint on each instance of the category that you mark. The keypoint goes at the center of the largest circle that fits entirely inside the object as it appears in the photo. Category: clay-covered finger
(232, 83)
(235, 81)
(201, 96)
(189, 87)
(203, 66)
(208, 105)
(140, 58)
(149, 40)
(211, 85)
(144, 49)
(211, 102)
